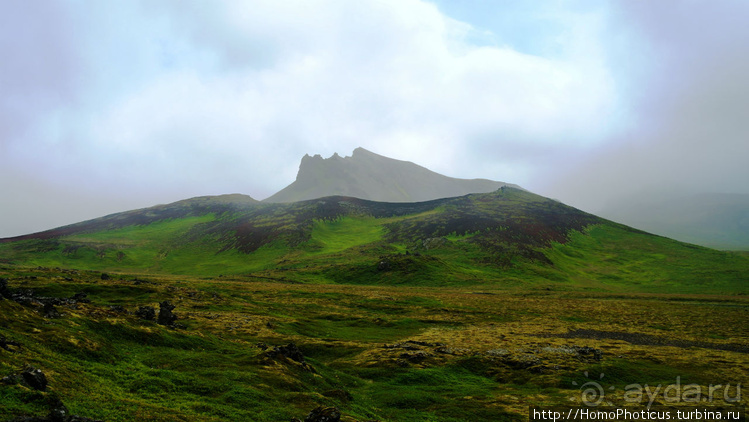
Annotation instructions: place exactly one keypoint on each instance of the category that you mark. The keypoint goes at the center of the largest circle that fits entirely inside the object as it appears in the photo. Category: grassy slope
(508, 239)
(633, 261)
(161, 247)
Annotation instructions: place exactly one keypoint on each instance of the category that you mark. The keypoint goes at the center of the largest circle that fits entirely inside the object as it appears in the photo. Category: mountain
(367, 175)
(397, 311)
(716, 220)
(508, 237)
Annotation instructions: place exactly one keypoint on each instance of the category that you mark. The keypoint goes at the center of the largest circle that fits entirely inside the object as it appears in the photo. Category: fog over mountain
(367, 175)
(717, 220)
(109, 106)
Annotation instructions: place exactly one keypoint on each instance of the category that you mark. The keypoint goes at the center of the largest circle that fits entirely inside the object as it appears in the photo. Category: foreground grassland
(480, 352)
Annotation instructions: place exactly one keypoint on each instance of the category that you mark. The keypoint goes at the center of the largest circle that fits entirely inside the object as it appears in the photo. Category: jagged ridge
(367, 175)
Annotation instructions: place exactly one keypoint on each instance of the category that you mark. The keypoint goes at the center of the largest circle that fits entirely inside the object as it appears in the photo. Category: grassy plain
(377, 352)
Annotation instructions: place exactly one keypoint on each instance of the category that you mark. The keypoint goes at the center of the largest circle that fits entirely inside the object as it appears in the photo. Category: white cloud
(687, 95)
(394, 76)
(199, 98)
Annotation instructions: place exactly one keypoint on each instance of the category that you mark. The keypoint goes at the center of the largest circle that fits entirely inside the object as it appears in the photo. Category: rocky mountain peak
(367, 175)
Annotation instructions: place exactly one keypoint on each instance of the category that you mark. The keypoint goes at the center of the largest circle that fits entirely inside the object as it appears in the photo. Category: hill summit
(367, 175)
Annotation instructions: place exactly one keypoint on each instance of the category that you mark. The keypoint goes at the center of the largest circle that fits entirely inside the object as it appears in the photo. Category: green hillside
(506, 238)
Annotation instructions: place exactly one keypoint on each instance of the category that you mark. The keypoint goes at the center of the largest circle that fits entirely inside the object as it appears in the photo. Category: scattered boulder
(446, 350)
(58, 412)
(5, 343)
(403, 346)
(290, 351)
(138, 281)
(433, 242)
(35, 378)
(584, 353)
(12, 379)
(166, 316)
(416, 357)
(323, 414)
(147, 313)
(59, 301)
(24, 297)
(49, 311)
(118, 308)
(383, 265)
(28, 297)
(80, 298)
(4, 290)
(105, 276)
(497, 352)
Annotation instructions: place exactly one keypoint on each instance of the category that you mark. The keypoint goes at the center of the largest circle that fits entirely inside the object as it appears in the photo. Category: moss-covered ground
(377, 352)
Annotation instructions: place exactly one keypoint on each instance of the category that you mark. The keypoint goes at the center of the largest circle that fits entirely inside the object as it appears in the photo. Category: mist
(113, 106)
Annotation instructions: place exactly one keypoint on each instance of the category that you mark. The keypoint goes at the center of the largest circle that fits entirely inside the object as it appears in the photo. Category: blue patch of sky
(521, 25)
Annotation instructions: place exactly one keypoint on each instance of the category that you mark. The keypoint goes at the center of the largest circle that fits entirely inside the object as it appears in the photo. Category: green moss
(343, 233)
(615, 257)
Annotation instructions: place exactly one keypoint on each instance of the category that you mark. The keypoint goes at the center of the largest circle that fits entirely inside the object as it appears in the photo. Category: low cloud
(688, 109)
(169, 99)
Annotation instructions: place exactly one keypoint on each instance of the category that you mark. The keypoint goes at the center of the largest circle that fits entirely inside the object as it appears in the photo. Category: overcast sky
(107, 106)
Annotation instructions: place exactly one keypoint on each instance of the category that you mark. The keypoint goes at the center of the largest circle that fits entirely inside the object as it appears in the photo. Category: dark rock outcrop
(290, 351)
(5, 343)
(433, 242)
(166, 316)
(49, 311)
(28, 297)
(416, 357)
(383, 265)
(58, 412)
(4, 290)
(11, 379)
(80, 298)
(35, 378)
(147, 313)
(585, 352)
(323, 414)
